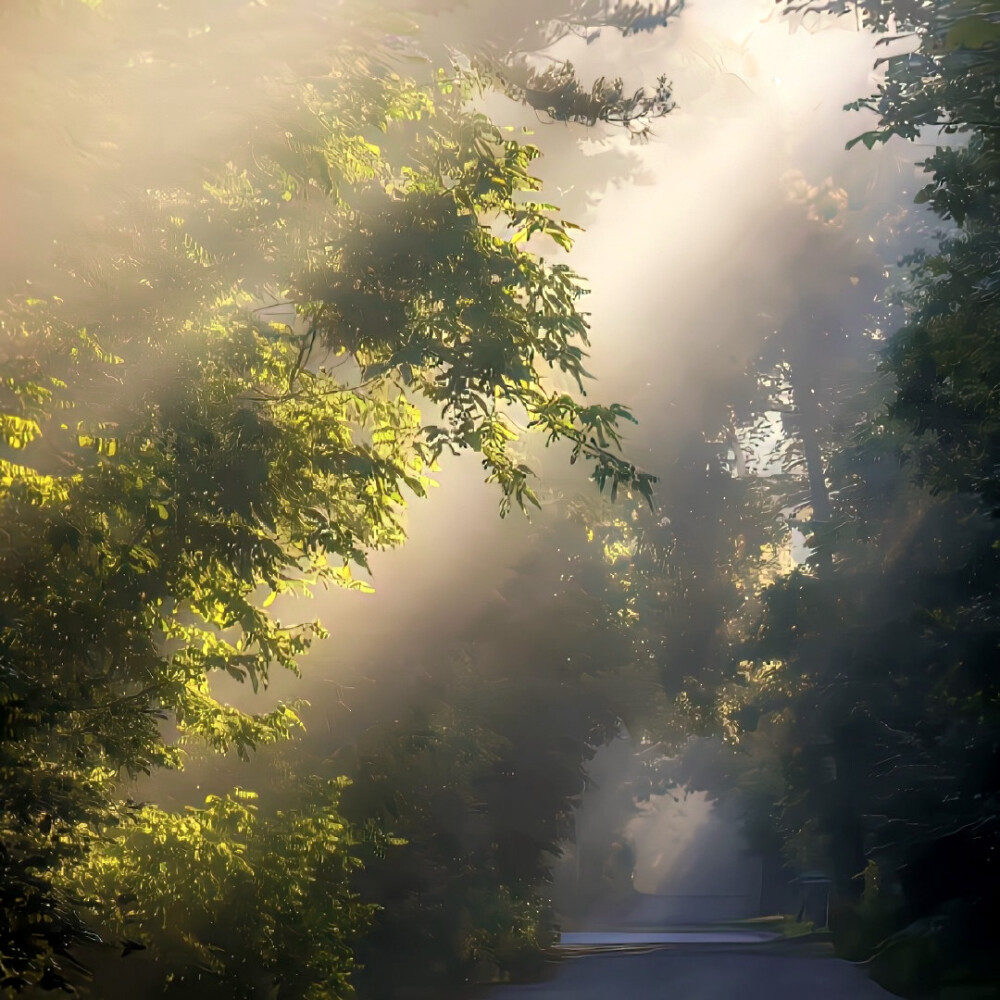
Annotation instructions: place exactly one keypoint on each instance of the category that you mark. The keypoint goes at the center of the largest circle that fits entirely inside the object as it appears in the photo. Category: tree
(478, 763)
(214, 398)
(877, 673)
(245, 903)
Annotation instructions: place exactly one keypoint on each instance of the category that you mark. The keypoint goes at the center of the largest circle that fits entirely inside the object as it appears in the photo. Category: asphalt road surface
(699, 974)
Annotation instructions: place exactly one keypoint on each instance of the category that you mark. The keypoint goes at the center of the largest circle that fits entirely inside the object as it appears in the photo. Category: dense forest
(272, 268)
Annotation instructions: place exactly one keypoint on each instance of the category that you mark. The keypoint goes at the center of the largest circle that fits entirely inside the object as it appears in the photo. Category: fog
(689, 239)
(738, 239)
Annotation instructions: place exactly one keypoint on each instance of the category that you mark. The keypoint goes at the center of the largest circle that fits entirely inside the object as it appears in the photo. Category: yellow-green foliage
(171, 456)
(237, 897)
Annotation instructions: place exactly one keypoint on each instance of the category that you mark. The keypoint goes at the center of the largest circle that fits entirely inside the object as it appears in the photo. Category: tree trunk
(809, 417)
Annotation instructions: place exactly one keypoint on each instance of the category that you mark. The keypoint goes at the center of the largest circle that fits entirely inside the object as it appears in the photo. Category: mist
(686, 240)
(490, 701)
(692, 250)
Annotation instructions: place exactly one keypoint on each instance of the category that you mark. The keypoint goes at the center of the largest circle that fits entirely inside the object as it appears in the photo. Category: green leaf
(868, 138)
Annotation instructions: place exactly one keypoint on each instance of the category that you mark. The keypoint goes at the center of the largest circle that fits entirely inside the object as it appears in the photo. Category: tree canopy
(868, 676)
(279, 265)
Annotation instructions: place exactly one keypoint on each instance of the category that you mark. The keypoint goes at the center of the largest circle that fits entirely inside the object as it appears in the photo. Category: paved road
(699, 975)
